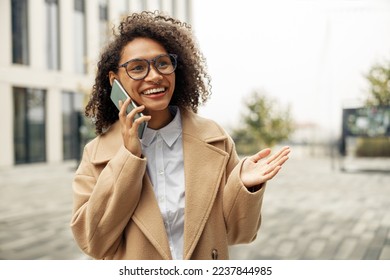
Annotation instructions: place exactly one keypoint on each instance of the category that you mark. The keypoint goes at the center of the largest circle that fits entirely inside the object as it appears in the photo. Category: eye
(137, 66)
(163, 63)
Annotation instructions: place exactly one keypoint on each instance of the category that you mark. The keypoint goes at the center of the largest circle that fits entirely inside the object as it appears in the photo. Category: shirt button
(161, 172)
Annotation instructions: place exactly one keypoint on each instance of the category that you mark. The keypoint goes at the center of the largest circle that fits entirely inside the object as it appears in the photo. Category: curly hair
(193, 84)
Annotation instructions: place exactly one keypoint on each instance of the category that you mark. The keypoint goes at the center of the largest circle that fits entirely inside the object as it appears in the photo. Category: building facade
(48, 59)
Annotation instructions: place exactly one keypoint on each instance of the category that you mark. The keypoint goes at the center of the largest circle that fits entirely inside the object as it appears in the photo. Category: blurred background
(312, 74)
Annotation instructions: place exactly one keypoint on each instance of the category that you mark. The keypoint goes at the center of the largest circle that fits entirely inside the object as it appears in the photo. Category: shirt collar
(170, 133)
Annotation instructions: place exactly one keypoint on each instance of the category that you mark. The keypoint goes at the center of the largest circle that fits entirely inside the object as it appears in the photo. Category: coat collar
(193, 126)
(107, 144)
(204, 166)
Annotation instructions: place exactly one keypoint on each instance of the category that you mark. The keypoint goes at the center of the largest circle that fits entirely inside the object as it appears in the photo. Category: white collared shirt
(163, 149)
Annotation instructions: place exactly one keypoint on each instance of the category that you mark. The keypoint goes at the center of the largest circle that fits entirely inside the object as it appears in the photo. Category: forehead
(142, 48)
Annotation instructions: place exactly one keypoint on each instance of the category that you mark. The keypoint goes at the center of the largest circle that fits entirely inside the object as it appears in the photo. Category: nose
(153, 76)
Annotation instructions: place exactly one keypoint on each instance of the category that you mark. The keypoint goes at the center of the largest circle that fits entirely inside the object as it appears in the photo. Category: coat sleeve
(242, 208)
(105, 198)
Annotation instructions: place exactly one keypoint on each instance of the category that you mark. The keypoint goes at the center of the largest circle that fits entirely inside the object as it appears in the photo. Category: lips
(154, 91)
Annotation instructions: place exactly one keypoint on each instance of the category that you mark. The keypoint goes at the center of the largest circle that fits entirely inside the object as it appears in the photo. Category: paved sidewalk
(35, 212)
(311, 211)
(314, 211)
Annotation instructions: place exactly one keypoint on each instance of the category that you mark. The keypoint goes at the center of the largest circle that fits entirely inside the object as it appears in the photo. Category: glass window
(29, 125)
(72, 121)
(80, 46)
(20, 48)
(103, 22)
(20, 144)
(52, 35)
(67, 128)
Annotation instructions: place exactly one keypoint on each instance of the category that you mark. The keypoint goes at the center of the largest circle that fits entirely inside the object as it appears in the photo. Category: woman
(181, 191)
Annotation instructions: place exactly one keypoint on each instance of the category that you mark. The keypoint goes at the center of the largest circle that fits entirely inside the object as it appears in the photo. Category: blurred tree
(378, 96)
(379, 79)
(264, 124)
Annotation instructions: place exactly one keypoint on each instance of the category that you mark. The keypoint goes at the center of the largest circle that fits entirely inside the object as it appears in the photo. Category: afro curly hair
(193, 84)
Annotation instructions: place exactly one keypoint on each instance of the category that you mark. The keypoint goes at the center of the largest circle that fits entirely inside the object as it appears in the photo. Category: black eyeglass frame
(173, 58)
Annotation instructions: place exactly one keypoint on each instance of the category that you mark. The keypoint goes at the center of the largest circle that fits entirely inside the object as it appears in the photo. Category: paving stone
(360, 249)
(315, 249)
(285, 248)
(385, 254)
(346, 248)
(330, 249)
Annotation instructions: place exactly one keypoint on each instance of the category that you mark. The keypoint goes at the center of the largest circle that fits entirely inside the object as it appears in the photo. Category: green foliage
(264, 124)
(379, 79)
(378, 96)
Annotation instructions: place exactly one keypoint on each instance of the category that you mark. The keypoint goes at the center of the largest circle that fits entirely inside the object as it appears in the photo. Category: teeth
(153, 90)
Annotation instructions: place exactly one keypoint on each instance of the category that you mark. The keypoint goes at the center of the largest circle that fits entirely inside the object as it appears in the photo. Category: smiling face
(155, 90)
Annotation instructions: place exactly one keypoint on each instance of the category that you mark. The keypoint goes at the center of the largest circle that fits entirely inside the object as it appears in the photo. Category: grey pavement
(312, 210)
(35, 212)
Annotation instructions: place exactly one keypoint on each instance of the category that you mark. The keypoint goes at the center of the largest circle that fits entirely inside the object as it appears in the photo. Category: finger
(282, 152)
(276, 164)
(130, 117)
(140, 120)
(123, 107)
(272, 174)
(282, 155)
(281, 161)
(279, 153)
(135, 111)
(262, 154)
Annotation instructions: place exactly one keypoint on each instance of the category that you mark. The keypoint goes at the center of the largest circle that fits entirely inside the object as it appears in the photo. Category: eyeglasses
(138, 68)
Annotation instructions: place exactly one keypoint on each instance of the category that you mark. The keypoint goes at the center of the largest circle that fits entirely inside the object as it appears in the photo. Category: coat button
(214, 254)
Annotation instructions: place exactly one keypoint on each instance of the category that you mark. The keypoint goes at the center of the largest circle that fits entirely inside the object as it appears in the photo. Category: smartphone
(119, 93)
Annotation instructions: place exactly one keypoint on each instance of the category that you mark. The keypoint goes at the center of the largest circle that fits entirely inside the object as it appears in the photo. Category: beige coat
(116, 215)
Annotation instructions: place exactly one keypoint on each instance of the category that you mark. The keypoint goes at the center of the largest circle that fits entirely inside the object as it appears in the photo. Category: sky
(309, 54)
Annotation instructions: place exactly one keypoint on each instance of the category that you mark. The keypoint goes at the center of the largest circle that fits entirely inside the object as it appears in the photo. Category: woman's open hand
(261, 167)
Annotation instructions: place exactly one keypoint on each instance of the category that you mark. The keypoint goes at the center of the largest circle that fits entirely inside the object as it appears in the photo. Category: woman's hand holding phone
(129, 126)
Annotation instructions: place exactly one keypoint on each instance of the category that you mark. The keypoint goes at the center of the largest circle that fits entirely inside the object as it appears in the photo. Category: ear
(112, 76)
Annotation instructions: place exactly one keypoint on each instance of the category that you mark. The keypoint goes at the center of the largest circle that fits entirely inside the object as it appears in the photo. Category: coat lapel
(204, 166)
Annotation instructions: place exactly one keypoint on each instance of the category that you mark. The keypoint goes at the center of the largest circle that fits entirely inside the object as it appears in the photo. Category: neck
(159, 118)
